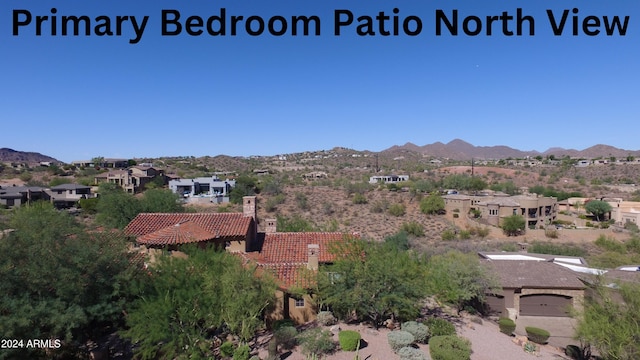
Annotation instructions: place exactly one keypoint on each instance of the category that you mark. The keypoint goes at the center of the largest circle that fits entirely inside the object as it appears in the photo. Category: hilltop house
(133, 179)
(209, 187)
(388, 179)
(67, 195)
(11, 196)
(537, 210)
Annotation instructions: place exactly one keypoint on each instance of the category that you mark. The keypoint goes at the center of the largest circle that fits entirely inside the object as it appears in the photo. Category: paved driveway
(562, 329)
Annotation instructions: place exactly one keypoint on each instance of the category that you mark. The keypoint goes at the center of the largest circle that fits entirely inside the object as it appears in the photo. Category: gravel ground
(486, 341)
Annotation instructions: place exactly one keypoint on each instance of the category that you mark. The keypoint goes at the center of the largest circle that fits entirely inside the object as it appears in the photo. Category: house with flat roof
(11, 196)
(537, 210)
(67, 195)
(205, 187)
(388, 179)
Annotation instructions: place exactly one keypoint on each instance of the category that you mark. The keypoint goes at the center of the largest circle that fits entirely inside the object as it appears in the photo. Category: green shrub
(316, 341)
(439, 327)
(507, 326)
(286, 337)
(465, 235)
(359, 199)
(349, 340)
(397, 210)
(399, 339)
(448, 235)
(449, 348)
(409, 353)
(226, 349)
(282, 323)
(326, 318)
(419, 331)
(413, 228)
(243, 352)
(537, 335)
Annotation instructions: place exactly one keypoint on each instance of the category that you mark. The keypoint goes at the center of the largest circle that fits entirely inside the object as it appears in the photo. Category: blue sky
(76, 97)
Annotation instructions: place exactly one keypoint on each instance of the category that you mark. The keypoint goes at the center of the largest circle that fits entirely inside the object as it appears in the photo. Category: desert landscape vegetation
(70, 274)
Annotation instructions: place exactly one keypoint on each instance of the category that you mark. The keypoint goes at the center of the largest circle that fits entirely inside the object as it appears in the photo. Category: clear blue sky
(76, 97)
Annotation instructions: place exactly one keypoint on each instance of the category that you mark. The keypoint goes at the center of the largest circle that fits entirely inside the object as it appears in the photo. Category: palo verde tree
(373, 281)
(612, 323)
(513, 225)
(193, 299)
(432, 204)
(598, 208)
(60, 281)
(459, 279)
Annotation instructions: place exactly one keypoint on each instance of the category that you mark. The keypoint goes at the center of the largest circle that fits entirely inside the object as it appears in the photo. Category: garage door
(545, 305)
(494, 304)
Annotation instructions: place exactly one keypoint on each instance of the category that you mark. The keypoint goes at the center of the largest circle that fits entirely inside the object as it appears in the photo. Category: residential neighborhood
(326, 249)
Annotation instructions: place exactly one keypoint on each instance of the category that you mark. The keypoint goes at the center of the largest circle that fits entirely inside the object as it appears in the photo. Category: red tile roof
(181, 233)
(291, 247)
(220, 225)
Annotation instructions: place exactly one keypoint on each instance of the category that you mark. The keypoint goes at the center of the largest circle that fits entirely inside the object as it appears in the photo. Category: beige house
(537, 210)
(133, 179)
(291, 258)
(623, 212)
(534, 285)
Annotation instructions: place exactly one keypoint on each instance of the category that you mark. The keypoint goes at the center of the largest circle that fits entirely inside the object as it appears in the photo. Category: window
(493, 212)
(299, 302)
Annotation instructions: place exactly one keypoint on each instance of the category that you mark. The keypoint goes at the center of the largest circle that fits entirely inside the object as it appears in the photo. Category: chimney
(249, 207)
(313, 252)
(272, 226)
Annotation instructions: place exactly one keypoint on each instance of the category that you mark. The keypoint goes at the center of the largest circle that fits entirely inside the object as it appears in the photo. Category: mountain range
(10, 155)
(455, 150)
(461, 150)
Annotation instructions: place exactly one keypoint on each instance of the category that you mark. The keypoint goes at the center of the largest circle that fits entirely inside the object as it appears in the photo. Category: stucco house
(133, 179)
(534, 285)
(537, 210)
(291, 258)
(210, 187)
(11, 196)
(388, 179)
(67, 195)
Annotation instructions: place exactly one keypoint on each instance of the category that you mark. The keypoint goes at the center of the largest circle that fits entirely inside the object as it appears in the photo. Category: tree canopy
(193, 299)
(598, 208)
(60, 281)
(459, 279)
(373, 281)
(610, 325)
(432, 204)
(513, 225)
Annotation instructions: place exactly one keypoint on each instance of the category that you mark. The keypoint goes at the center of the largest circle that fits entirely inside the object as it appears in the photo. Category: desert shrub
(448, 235)
(286, 337)
(302, 201)
(399, 339)
(272, 203)
(537, 335)
(449, 348)
(254, 357)
(326, 318)
(397, 210)
(226, 349)
(90, 206)
(399, 240)
(282, 323)
(465, 235)
(359, 199)
(556, 249)
(551, 233)
(413, 228)
(409, 353)
(316, 341)
(379, 206)
(243, 352)
(507, 326)
(440, 327)
(349, 340)
(419, 331)
(610, 244)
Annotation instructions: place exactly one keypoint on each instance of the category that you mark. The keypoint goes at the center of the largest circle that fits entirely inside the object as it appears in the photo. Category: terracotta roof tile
(223, 225)
(181, 233)
(288, 248)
